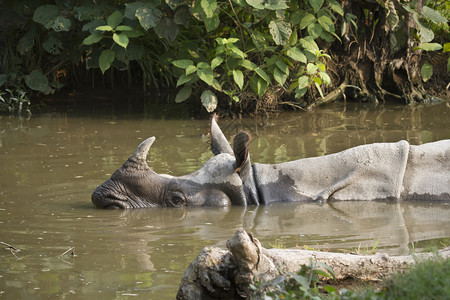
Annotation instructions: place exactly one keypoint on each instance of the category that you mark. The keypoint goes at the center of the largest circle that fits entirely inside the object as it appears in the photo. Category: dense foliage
(228, 51)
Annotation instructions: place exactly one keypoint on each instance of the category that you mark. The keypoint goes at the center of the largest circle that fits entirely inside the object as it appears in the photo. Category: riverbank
(248, 270)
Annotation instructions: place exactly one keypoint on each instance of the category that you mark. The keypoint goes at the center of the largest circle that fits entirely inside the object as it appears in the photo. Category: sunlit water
(51, 163)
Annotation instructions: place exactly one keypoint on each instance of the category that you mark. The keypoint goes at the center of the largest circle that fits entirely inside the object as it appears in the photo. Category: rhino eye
(176, 198)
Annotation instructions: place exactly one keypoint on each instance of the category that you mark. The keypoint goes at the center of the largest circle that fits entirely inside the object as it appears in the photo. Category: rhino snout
(103, 198)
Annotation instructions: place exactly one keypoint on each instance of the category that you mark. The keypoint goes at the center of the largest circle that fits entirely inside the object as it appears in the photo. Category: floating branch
(69, 252)
(11, 248)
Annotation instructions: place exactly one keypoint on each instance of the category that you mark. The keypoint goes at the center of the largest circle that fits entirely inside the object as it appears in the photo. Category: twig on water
(68, 250)
(71, 254)
(11, 248)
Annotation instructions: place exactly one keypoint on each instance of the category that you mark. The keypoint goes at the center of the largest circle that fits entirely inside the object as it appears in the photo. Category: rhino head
(223, 180)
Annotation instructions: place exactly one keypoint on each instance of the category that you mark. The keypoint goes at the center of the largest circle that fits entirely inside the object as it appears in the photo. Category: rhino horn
(138, 160)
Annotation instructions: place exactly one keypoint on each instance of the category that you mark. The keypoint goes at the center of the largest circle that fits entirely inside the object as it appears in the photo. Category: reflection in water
(50, 164)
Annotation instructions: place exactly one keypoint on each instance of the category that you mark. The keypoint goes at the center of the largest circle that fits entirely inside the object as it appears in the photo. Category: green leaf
(209, 7)
(249, 65)
(429, 47)
(91, 26)
(426, 71)
(92, 39)
(281, 32)
(61, 23)
(321, 66)
(190, 69)
(336, 7)
(37, 81)
(311, 68)
(294, 38)
(258, 85)
(209, 100)
(259, 4)
(326, 23)
(259, 40)
(182, 16)
(325, 78)
(397, 40)
(183, 94)
(106, 59)
(296, 54)
(167, 29)
(114, 19)
(262, 74)
(433, 15)
(318, 88)
(52, 45)
(148, 17)
(307, 20)
(131, 8)
(203, 65)
(238, 77)
(446, 47)
(184, 78)
(328, 268)
(182, 63)
(309, 44)
(300, 92)
(304, 82)
(216, 62)
(282, 66)
(279, 76)
(84, 13)
(217, 85)
(212, 23)
(237, 51)
(317, 80)
(275, 4)
(133, 33)
(426, 34)
(207, 75)
(25, 44)
(315, 30)
(104, 28)
(45, 15)
(121, 39)
(316, 4)
(124, 28)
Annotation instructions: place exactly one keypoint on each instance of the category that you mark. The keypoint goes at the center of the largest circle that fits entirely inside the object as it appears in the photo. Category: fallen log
(222, 274)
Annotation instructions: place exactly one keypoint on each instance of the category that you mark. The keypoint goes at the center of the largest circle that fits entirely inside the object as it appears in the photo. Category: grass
(425, 280)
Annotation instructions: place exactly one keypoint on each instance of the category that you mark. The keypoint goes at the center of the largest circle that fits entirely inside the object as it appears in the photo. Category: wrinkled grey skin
(384, 171)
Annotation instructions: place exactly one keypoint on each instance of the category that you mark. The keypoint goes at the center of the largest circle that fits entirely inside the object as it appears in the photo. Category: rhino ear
(219, 143)
(138, 160)
(241, 146)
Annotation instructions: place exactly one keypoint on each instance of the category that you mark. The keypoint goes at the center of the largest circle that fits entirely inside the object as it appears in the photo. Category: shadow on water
(52, 162)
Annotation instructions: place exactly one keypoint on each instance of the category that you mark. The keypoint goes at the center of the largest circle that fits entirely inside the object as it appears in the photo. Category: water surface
(51, 163)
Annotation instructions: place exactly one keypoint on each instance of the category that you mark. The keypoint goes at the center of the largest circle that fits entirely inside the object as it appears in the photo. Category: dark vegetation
(238, 56)
(425, 280)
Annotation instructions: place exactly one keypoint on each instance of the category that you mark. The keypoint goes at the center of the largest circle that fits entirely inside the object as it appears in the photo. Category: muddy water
(51, 163)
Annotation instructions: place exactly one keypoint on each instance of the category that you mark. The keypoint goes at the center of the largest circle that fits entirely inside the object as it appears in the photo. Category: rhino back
(367, 172)
(427, 175)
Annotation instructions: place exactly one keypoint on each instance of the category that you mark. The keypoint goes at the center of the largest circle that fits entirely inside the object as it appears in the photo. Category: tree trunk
(221, 274)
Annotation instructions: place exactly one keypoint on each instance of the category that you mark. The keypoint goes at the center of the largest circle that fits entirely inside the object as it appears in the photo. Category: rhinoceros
(381, 171)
